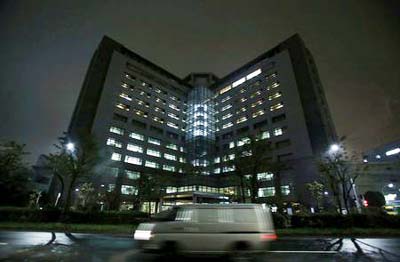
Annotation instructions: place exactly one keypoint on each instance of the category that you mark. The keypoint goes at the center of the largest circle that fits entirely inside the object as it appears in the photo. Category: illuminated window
(228, 169)
(173, 116)
(128, 190)
(171, 189)
(116, 130)
(172, 146)
(141, 113)
(239, 82)
(266, 192)
(136, 136)
(225, 89)
(253, 74)
(231, 144)
(259, 102)
(152, 152)
(122, 106)
(228, 157)
(273, 85)
(217, 170)
(243, 90)
(134, 175)
(158, 119)
(276, 106)
(113, 171)
(159, 110)
(169, 168)
(154, 141)
(242, 141)
(225, 99)
(157, 90)
(116, 157)
(174, 107)
(133, 160)
(113, 142)
(265, 176)
(152, 164)
(217, 160)
(258, 113)
(173, 125)
(227, 116)
(273, 96)
(226, 107)
(134, 148)
(273, 75)
(243, 99)
(241, 119)
(229, 124)
(170, 157)
(243, 109)
(393, 151)
(125, 85)
(126, 96)
(265, 135)
(257, 93)
(129, 76)
(285, 190)
(278, 131)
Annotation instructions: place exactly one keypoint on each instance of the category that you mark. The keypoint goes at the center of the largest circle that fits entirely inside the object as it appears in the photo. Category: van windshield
(167, 215)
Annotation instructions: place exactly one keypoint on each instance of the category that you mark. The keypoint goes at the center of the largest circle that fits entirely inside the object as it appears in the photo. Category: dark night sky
(46, 46)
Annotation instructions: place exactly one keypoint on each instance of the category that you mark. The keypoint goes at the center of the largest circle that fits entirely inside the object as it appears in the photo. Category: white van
(209, 229)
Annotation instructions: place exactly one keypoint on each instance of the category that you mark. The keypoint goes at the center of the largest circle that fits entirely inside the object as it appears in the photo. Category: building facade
(382, 172)
(149, 121)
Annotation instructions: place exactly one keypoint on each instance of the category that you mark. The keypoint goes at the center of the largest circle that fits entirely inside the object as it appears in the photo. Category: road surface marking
(303, 251)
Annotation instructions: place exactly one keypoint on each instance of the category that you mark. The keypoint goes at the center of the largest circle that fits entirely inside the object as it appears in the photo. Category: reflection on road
(49, 246)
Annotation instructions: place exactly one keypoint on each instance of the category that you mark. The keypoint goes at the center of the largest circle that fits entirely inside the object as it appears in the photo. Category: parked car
(239, 229)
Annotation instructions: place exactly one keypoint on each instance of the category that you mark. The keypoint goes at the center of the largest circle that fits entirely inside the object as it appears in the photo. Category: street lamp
(390, 185)
(334, 148)
(70, 147)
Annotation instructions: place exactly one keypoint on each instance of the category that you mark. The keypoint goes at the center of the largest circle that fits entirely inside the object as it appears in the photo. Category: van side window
(185, 215)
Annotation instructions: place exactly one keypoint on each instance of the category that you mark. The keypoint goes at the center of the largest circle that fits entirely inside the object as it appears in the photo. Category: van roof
(221, 206)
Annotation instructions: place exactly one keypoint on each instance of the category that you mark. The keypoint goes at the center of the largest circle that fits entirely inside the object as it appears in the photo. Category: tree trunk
(345, 199)
(69, 194)
(59, 177)
(254, 187)
(242, 189)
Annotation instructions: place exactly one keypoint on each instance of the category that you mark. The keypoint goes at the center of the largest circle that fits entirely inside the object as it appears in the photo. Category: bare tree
(340, 173)
(252, 158)
(73, 162)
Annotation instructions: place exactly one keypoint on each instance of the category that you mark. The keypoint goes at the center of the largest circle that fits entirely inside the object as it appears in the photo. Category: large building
(382, 172)
(149, 121)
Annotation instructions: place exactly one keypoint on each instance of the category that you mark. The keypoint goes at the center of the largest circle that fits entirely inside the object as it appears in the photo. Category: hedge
(339, 221)
(8, 214)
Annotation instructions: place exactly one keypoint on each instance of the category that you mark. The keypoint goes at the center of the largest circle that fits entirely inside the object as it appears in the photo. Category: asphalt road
(47, 246)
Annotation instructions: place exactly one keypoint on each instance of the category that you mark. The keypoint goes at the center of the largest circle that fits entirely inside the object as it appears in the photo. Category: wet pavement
(47, 246)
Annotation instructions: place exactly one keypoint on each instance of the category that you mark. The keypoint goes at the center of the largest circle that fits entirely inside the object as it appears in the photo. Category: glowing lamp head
(70, 147)
(334, 148)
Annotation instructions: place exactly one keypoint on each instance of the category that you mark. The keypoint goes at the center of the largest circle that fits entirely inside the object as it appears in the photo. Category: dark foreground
(47, 246)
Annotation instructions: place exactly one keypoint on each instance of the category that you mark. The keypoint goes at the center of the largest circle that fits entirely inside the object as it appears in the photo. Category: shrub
(54, 215)
(280, 221)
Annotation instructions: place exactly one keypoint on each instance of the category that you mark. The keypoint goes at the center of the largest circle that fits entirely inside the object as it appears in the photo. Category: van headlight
(142, 235)
(143, 232)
